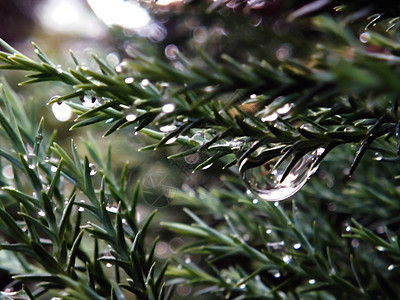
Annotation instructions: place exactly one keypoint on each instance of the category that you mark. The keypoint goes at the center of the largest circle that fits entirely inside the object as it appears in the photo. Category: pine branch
(47, 230)
(307, 91)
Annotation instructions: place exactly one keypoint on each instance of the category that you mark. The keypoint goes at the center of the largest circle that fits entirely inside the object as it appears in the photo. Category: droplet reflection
(266, 182)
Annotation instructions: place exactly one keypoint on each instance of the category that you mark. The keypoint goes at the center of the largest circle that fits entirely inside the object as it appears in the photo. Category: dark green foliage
(46, 227)
(338, 238)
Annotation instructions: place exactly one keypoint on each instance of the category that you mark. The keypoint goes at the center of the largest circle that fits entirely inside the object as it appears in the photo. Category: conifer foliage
(279, 91)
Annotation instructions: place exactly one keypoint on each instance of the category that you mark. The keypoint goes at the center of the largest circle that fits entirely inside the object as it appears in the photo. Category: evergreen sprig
(339, 93)
(48, 228)
(333, 98)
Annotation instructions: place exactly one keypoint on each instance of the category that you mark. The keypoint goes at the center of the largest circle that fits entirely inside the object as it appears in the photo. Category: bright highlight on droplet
(129, 80)
(145, 82)
(171, 141)
(127, 14)
(168, 108)
(130, 117)
(270, 118)
(284, 109)
(62, 112)
(167, 128)
(365, 37)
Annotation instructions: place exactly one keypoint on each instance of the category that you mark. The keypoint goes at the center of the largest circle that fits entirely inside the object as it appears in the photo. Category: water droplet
(283, 52)
(81, 209)
(130, 117)
(112, 209)
(167, 128)
(171, 141)
(355, 243)
(312, 281)
(378, 156)
(145, 82)
(268, 231)
(32, 160)
(287, 259)
(168, 108)
(380, 229)
(277, 274)
(348, 228)
(170, 51)
(129, 80)
(276, 245)
(61, 111)
(53, 169)
(188, 260)
(8, 172)
(192, 158)
(89, 100)
(270, 118)
(297, 246)
(59, 69)
(41, 213)
(122, 67)
(112, 58)
(380, 248)
(108, 265)
(255, 201)
(265, 181)
(365, 37)
(242, 286)
(162, 250)
(391, 267)
(93, 170)
(284, 109)
(246, 237)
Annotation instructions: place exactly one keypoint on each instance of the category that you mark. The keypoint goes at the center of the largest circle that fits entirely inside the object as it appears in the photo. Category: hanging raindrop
(88, 100)
(32, 160)
(93, 170)
(266, 180)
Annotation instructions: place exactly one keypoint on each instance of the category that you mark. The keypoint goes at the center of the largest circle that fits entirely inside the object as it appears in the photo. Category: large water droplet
(266, 180)
(61, 111)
